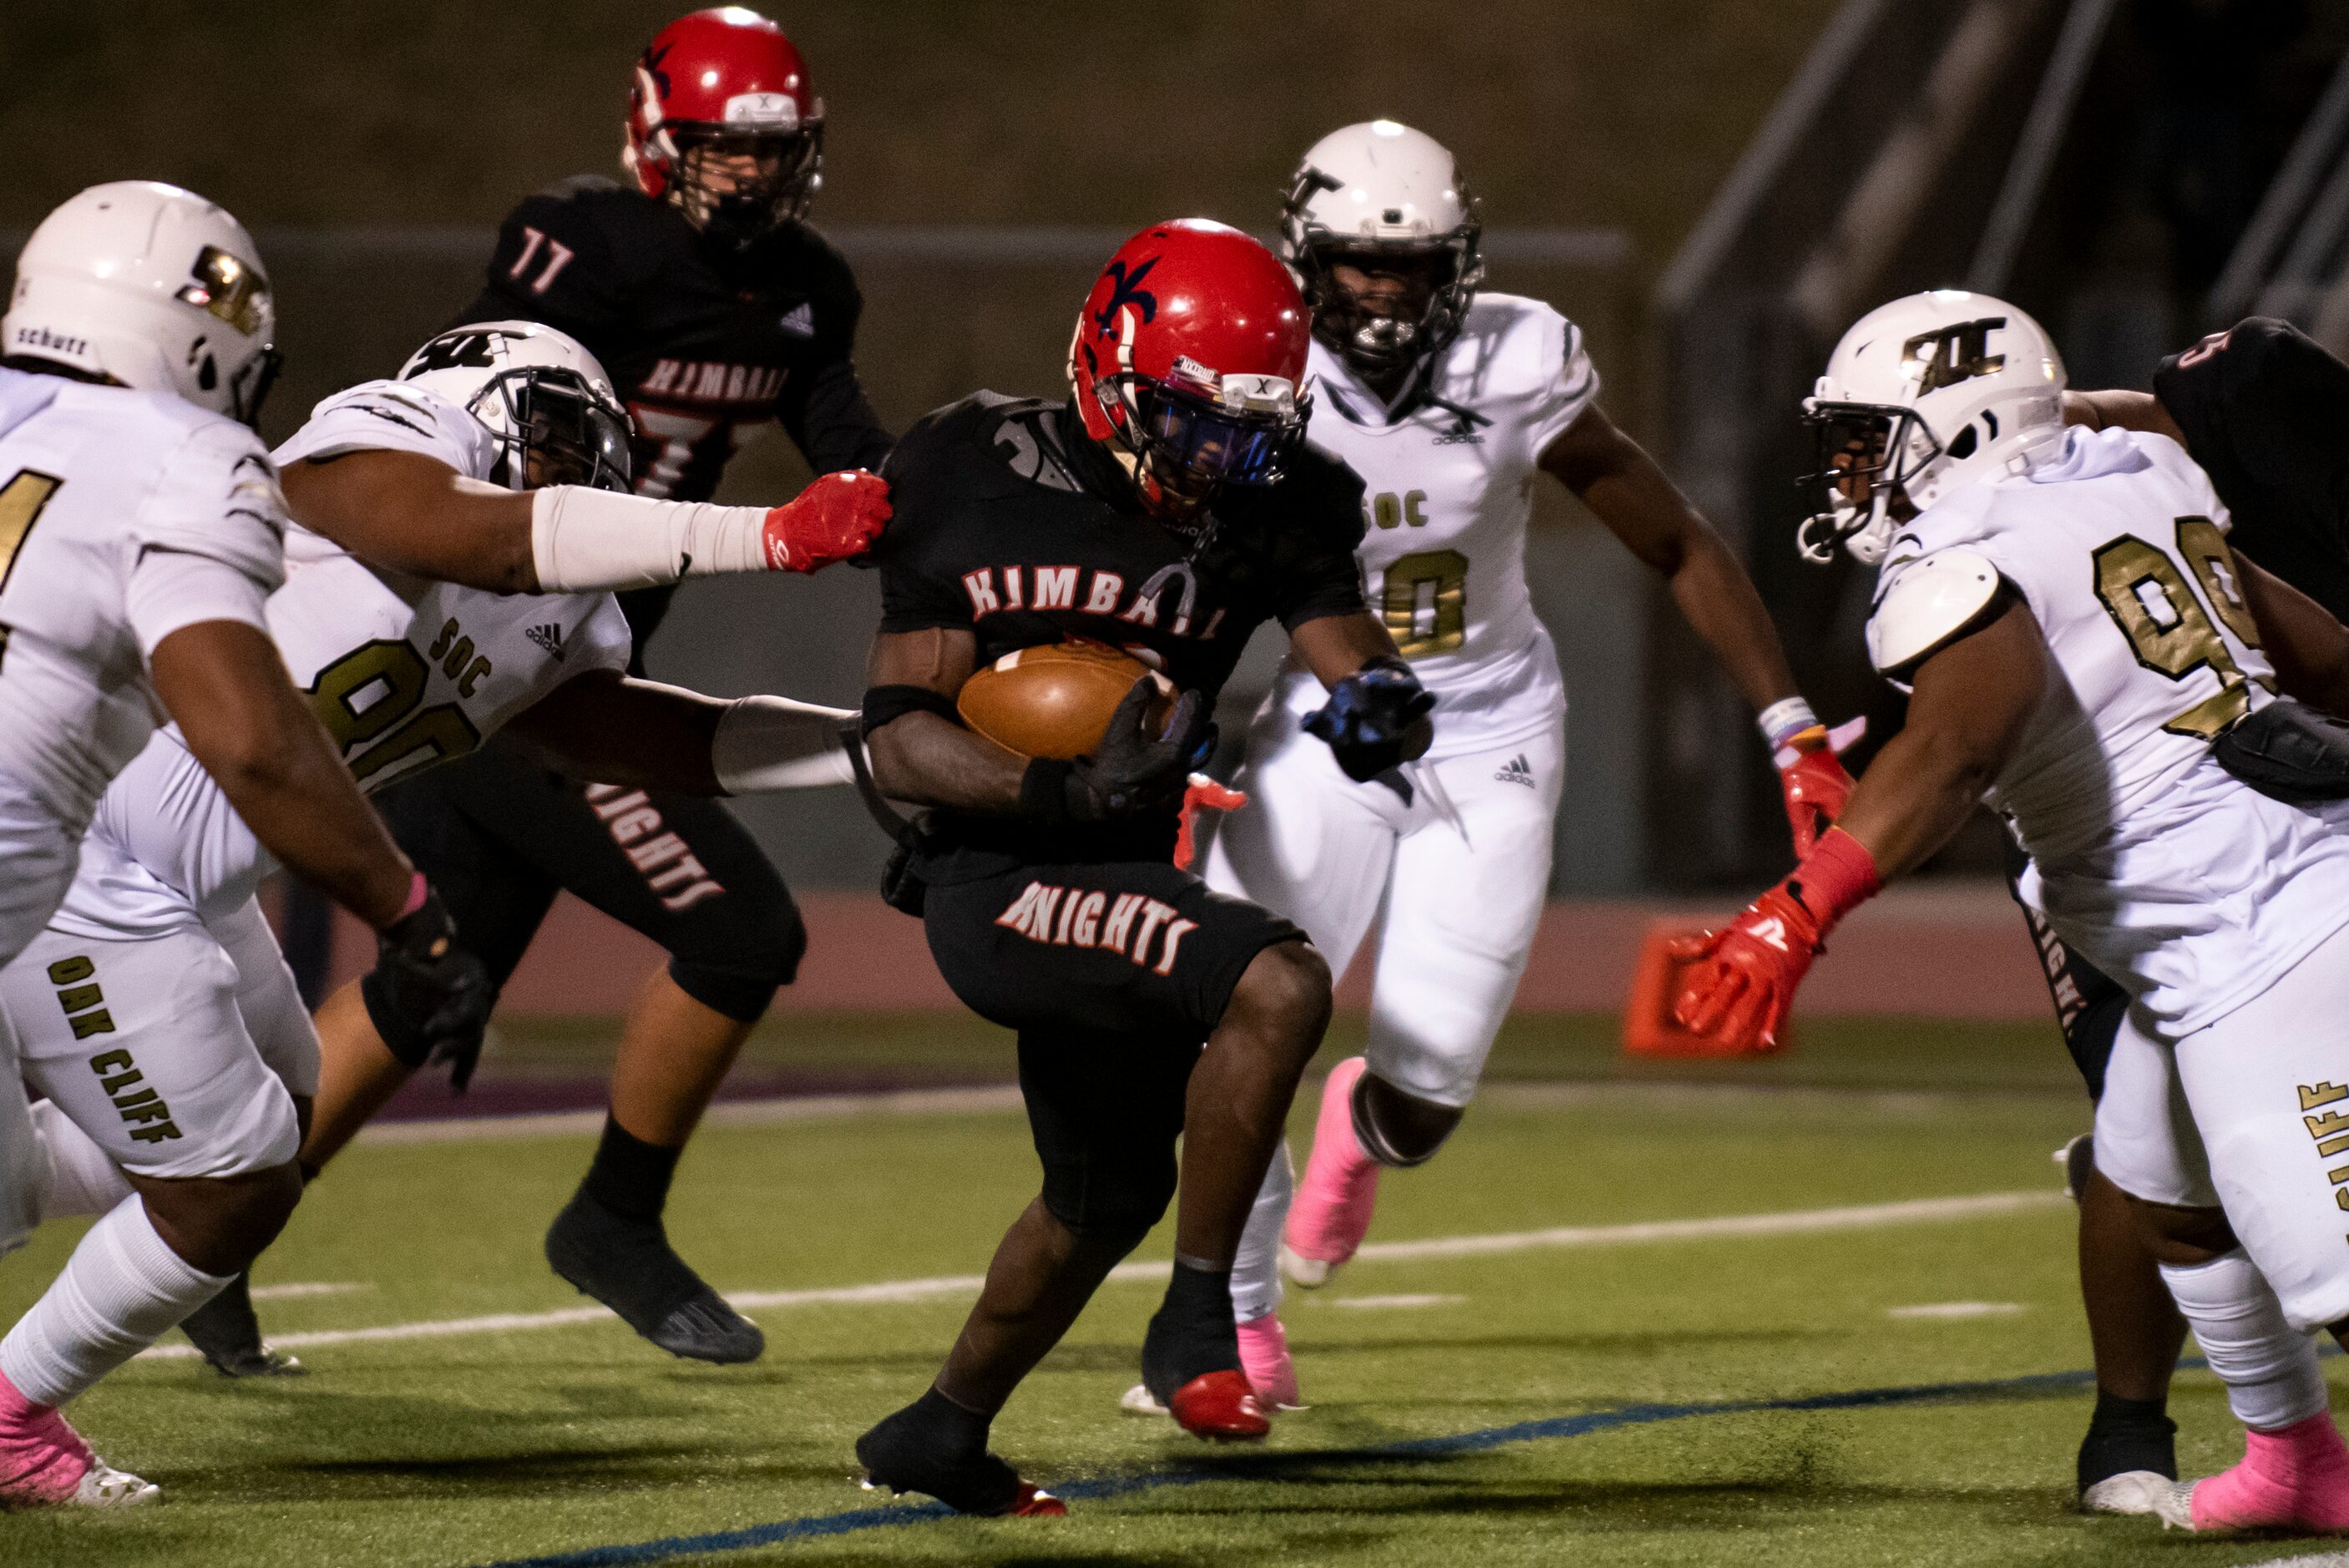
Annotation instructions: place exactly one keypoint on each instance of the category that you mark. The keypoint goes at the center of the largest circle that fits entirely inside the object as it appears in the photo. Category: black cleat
(628, 1266)
(227, 1331)
(913, 1451)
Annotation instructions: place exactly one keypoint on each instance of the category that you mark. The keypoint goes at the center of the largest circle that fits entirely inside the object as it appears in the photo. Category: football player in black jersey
(712, 305)
(1170, 509)
(2265, 412)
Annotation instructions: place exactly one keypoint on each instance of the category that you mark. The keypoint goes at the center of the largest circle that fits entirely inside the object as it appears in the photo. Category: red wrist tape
(1837, 877)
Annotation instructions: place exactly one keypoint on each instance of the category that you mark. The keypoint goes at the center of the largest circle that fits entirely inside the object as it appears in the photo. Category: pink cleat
(1263, 1356)
(2296, 1479)
(44, 1463)
(1333, 1210)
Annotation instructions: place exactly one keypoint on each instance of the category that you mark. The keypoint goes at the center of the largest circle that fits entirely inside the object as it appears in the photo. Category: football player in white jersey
(141, 530)
(2086, 654)
(405, 671)
(1450, 401)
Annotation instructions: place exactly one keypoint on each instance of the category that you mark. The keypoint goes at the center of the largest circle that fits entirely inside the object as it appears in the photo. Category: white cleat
(2174, 1501)
(1306, 1274)
(2131, 1491)
(1138, 1400)
(103, 1486)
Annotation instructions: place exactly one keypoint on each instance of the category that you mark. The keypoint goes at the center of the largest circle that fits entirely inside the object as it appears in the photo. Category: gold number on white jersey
(1426, 603)
(2165, 621)
(368, 701)
(21, 500)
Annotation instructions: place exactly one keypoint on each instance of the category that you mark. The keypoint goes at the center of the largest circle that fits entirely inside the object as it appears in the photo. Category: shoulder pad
(1927, 603)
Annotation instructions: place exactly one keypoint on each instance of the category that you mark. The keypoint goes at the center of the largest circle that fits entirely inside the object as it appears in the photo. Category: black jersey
(1014, 525)
(2265, 411)
(699, 340)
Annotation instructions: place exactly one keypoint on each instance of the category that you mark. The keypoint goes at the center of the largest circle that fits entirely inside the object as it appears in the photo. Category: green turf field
(484, 1446)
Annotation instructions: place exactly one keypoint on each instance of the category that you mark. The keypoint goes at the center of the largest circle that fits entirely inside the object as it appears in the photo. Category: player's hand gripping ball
(835, 518)
(1056, 700)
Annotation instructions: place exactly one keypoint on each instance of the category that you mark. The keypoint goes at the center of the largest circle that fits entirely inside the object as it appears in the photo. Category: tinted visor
(569, 436)
(1197, 444)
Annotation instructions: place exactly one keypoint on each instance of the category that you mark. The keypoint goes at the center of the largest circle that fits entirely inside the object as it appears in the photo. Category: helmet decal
(1127, 290)
(1949, 355)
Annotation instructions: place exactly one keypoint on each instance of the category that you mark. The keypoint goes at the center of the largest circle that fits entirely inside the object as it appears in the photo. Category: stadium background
(981, 159)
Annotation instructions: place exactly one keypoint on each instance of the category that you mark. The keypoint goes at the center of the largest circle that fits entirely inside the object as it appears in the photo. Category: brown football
(1055, 699)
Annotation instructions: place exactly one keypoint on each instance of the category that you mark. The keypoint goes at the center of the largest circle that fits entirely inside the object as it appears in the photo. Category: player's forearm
(2309, 648)
(240, 717)
(415, 515)
(610, 730)
(2123, 411)
(1915, 796)
(1720, 603)
(924, 759)
(829, 418)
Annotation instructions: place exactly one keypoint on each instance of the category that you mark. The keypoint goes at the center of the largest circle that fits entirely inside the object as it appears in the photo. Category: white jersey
(404, 672)
(1449, 494)
(2189, 887)
(124, 516)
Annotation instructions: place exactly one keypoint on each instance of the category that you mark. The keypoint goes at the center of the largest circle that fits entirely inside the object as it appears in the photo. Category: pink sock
(1340, 1185)
(1263, 1356)
(2298, 1476)
(42, 1460)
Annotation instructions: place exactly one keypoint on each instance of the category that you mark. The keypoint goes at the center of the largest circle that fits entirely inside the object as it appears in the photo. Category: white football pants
(1461, 900)
(179, 1054)
(37, 857)
(2265, 1134)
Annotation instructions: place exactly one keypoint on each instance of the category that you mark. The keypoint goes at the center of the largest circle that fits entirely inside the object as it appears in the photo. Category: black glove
(1132, 771)
(1368, 715)
(435, 992)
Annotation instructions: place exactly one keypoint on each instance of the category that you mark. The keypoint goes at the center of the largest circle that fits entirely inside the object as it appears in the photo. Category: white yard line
(1794, 1222)
(299, 1291)
(1954, 1310)
(1376, 1302)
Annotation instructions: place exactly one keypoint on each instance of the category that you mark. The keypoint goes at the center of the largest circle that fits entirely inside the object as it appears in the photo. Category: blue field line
(1270, 1464)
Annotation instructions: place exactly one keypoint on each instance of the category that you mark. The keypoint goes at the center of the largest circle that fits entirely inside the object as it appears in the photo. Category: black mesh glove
(432, 991)
(1368, 715)
(1132, 771)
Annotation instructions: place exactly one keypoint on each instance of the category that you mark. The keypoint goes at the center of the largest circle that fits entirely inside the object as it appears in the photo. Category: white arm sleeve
(588, 540)
(170, 589)
(774, 743)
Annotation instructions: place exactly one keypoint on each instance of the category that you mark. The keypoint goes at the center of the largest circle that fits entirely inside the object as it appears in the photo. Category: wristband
(1837, 877)
(1044, 791)
(1784, 719)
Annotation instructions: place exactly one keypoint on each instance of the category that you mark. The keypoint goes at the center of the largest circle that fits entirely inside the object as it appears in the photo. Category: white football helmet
(1385, 192)
(151, 286)
(539, 392)
(1921, 395)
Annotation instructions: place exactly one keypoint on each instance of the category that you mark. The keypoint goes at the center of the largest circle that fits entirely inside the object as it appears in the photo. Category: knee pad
(738, 977)
(1113, 1201)
(1375, 1140)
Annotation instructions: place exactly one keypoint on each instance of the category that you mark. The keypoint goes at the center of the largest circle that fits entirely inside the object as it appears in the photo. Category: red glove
(1741, 981)
(1813, 778)
(835, 518)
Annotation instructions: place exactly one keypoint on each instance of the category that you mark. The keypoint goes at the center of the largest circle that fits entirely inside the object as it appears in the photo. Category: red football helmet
(1190, 357)
(722, 122)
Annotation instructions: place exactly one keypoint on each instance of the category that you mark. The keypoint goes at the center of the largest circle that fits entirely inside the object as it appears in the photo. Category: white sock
(83, 1178)
(1255, 1268)
(121, 1291)
(2269, 1366)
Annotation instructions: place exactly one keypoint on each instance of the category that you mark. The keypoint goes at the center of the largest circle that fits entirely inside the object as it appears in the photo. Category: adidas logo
(799, 321)
(1516, 771)
(550, 638)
